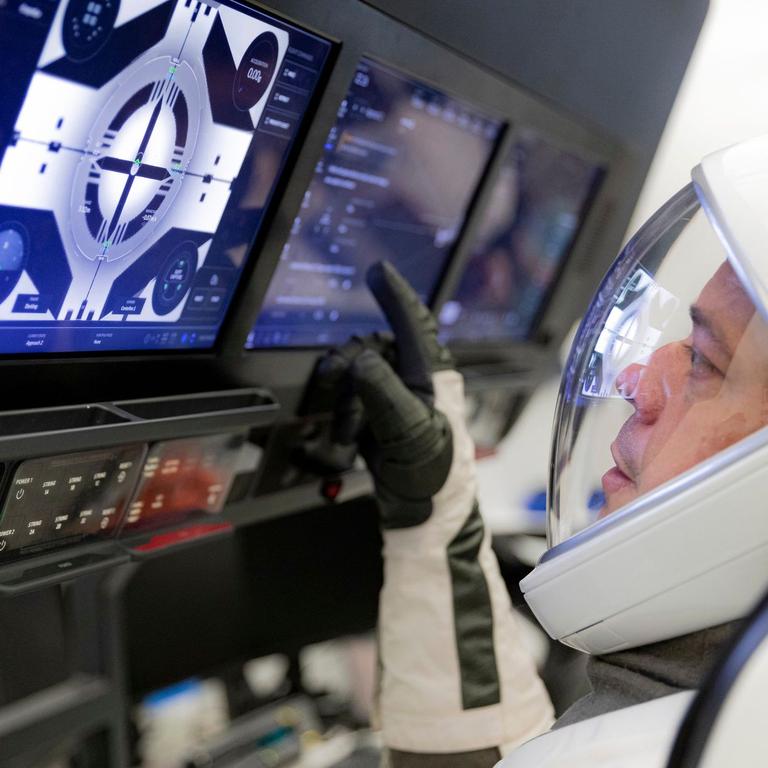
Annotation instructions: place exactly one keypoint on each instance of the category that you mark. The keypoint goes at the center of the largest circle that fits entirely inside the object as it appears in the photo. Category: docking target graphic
(125, 153)
(137, 154)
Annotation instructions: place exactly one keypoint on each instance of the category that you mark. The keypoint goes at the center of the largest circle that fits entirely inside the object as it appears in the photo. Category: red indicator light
(163, 540)
(331, 489)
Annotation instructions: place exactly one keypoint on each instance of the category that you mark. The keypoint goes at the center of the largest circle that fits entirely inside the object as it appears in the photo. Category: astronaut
(663, 404)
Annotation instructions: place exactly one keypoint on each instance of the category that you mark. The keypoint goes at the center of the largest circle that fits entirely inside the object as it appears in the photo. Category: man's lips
(615, 479)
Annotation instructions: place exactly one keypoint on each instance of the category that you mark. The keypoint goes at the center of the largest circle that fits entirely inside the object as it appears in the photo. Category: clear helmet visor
(669, 368)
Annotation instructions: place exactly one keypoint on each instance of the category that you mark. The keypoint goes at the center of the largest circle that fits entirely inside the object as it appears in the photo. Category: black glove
(388, 408)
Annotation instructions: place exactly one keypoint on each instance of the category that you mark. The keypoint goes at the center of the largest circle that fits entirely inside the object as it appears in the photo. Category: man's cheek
(727, 432)
(671, 444)
(667, 459)
(683, 450)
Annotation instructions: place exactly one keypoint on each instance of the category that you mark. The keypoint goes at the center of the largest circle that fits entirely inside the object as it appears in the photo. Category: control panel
(63, 500)
(183, 479)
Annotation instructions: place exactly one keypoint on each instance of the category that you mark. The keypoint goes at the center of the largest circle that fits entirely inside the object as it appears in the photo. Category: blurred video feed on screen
(538, 203)
(140, 144)
(397, 175)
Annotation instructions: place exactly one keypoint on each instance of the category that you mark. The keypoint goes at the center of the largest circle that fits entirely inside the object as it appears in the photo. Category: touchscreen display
(537, 205)
(399, 170)
(140, 144)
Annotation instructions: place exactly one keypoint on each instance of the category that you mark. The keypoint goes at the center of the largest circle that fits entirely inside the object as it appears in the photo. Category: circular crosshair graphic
(255, 73)
(87, 26)
(14, 246)
(137, 152)
(175, 278)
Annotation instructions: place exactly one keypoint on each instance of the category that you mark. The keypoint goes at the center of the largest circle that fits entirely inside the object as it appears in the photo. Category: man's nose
(647, 387)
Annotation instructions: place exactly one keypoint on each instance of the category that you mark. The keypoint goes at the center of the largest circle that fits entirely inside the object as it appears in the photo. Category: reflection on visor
(631, 332)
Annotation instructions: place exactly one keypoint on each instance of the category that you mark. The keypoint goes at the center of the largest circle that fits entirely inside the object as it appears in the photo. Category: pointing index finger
(418, 351)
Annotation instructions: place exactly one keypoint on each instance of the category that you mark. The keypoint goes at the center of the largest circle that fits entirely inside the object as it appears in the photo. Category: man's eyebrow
(702, 320)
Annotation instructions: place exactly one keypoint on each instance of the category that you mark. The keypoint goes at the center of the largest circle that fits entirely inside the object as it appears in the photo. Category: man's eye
(700, 364)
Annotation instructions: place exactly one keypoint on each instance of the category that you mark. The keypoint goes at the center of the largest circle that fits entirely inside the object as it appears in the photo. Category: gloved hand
(455, 675)
(406, 442)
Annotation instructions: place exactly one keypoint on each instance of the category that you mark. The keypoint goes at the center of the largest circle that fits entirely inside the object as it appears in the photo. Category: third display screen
(538, 202)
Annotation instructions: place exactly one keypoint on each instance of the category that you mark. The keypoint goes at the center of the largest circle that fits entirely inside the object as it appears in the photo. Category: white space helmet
(658, 494)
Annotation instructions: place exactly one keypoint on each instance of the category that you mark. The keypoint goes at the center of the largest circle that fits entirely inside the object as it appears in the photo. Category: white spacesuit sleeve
(456, 675)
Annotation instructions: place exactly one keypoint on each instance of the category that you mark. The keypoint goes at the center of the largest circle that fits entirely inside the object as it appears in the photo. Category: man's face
(695, 396)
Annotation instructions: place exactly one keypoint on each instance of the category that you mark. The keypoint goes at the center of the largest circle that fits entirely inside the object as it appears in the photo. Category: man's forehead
(724, 297)
(723, 307)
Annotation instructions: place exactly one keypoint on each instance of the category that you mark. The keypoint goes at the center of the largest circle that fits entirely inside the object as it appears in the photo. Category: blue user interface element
(399, 170)
(140, 145)
(537, 205)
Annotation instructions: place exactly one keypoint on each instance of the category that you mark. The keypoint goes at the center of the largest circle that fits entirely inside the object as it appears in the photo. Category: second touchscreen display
(399, 170)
